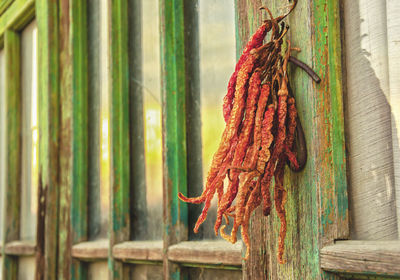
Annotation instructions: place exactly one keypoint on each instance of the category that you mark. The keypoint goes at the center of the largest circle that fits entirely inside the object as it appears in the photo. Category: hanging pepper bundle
(257, 142)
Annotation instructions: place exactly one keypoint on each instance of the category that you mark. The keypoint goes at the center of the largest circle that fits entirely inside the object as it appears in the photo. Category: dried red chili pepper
(261, 121)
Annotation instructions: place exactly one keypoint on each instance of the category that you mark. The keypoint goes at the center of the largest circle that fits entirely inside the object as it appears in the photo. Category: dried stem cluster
(260, 117)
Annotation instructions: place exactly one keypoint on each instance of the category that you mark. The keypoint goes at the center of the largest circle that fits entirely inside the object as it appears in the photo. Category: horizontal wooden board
(207, 252)
(91, 250)
(20, 248)
(138, 250)
(378, 258)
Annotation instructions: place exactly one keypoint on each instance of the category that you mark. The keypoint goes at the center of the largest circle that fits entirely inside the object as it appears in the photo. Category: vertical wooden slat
(80, 161)
(120, 164)
(49, 122)
(174, 126)
(12, 46)
(65, 56)
(317, 197)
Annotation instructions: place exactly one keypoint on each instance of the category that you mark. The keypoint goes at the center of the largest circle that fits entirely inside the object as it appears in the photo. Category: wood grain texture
(393, 39)
(369, 122)
(14, 146)
(317, 197)
(17, 16)
(91, 250)
(206, 252)
(20, 248)
(138, 250)
(174, 127)
(66, 134)
(4, 4)
(376, 258)
(120, 150)
(80, 162)
(49, 124)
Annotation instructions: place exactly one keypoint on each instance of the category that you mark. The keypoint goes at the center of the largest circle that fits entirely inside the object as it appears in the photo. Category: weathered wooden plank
(120, 164)
(48, 110)
(174, 126)
(376, 258)
(317, 196)
(138, 250)
(206, 252)
(91, 250)
(65, 56)
(14, 145)
(4, 5)
(393, 37)
(80, 128)
(19, 14)
(368, 122)
(20, 248)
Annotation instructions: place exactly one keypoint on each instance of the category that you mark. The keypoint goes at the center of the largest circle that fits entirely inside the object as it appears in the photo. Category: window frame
(317, 205)
(12, 22)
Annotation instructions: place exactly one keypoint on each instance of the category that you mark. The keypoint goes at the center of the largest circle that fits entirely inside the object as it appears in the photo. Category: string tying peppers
(261, 124)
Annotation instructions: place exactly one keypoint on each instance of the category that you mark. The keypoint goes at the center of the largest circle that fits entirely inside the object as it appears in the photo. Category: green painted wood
(49, 123)
(17, 16)
(66, 134)
(174, 126)
(14, 145)
(317, 197)
(80, 128)
(120, 164)
(4, 5)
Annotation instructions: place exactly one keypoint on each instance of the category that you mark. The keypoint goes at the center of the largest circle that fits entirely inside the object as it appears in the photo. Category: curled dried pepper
(261, 124)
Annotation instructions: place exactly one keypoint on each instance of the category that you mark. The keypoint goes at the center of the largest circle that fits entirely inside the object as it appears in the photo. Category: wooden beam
(13, 159)
(206, 252)
(91, 250)
(119, 122)
(20, 248)
(49, 128)
(376, 258)
(80, 156)
(66, 136)
(138, 250)
(174, 89)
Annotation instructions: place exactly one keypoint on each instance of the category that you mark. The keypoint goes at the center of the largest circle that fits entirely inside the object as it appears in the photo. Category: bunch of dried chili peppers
(260, 117)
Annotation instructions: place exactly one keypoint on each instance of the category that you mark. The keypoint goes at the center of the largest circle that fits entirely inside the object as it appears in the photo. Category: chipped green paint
(120, 165)
(80, 127)
(49, 123)
(14, 146)
(79, 218)
(17, 16)
(174, 125)
(65, 184)
(317, 197)
(4, 5)
(328, 61)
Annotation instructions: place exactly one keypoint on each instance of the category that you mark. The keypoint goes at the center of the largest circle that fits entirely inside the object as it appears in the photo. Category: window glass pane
(217, 61)
(211, 274)
(152, 117)
(26, 268)
(99, 159)
(146, 272)
(98, 271)
(2, 142)
(30, 132)
(145, 119)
